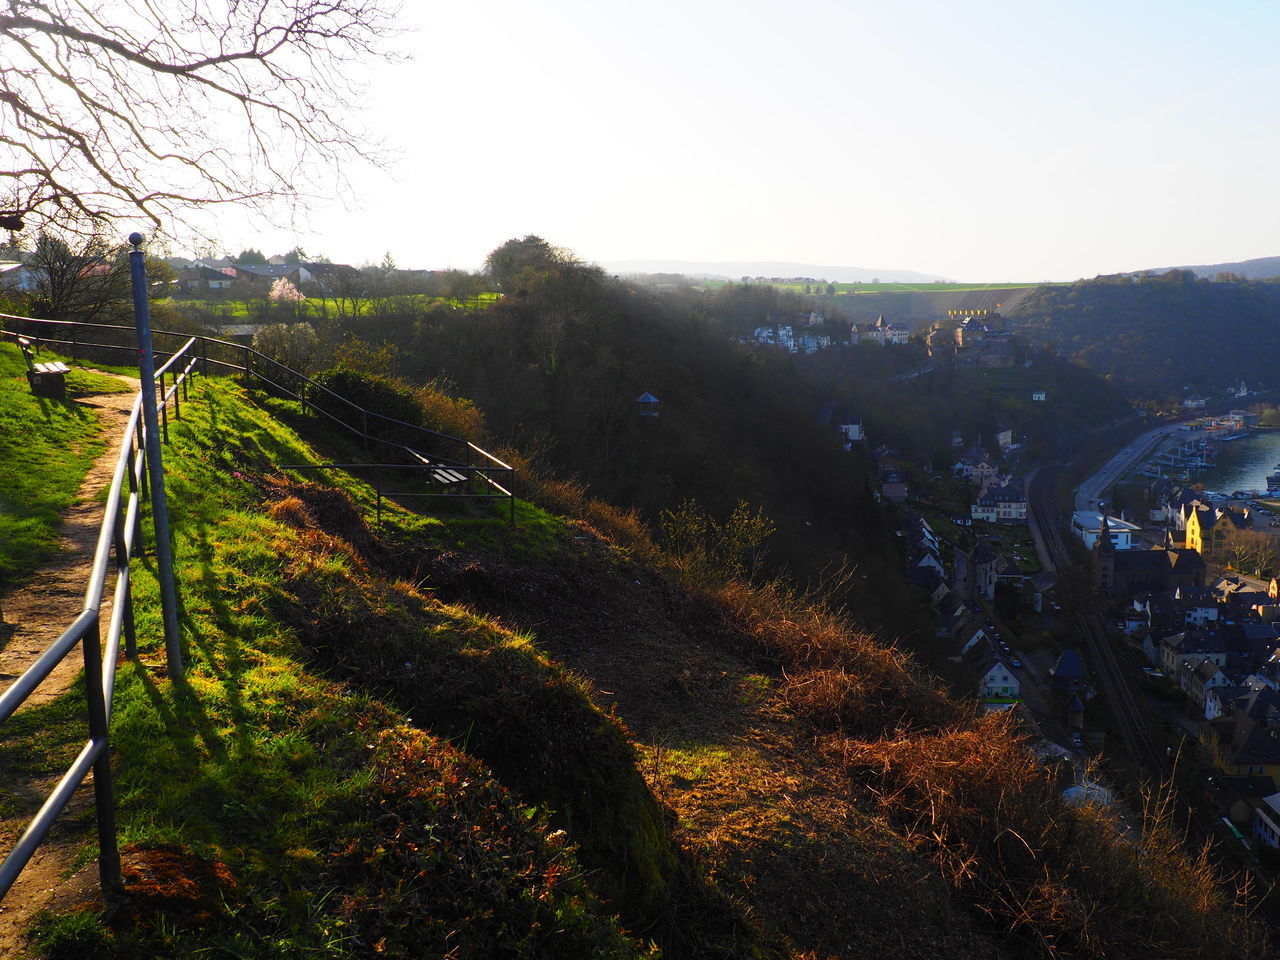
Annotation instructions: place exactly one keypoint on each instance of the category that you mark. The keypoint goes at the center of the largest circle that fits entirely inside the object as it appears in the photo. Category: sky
(983, 141)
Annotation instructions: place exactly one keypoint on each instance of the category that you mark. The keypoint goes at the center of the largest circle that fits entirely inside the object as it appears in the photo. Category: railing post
(103, 794)
(155, 465)
(248, 380)
(377, 482)
(122, 568)
(164, 412)
(364, 429)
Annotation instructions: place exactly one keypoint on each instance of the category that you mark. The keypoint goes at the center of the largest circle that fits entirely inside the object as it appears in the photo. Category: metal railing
(387, 442)
(417, 448)
(121, 533)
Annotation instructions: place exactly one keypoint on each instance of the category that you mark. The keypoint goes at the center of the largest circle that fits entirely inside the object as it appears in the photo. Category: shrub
(385, 401)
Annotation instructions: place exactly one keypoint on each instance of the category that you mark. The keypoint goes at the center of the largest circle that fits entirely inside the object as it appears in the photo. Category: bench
(445, 475)
(46, 379)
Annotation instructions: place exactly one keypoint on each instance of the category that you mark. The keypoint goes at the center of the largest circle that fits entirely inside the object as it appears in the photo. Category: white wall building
(1087, 524)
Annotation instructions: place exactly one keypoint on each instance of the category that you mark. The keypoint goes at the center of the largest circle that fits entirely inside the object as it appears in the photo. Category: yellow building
(1209, 530)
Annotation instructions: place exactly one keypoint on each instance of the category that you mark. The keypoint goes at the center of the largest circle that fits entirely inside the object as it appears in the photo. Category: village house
(887, 460)
(1209, 529)
(883, 333)
(997, 679)
(976, 466)
(1088, 525)
(1006, 502)
(1245, 743)
(1193, 646)
(893, 487)
(1266, 822)
(202, 279)
(1196, 681)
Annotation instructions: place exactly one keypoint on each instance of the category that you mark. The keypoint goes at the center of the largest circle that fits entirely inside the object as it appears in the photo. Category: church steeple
(1104, 555)
(1104, 534)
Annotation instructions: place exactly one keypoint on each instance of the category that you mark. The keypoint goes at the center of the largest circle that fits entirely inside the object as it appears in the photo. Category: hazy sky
(979, 141)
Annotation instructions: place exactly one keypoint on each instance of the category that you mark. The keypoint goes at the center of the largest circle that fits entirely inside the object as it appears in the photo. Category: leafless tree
(80, 282)
(157, 108)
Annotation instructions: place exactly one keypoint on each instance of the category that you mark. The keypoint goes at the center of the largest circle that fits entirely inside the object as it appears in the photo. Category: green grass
(46, 448)
(244, 311)
(343, 830)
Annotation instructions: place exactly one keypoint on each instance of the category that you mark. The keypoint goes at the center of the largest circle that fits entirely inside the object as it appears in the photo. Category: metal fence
(438, 459)
(120, 534)
(459, 469)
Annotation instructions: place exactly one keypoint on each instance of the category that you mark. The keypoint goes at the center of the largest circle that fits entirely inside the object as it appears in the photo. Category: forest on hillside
(552, 354)
(1159, 337)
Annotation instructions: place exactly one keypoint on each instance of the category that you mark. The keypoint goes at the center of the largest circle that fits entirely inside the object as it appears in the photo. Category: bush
(384, 399)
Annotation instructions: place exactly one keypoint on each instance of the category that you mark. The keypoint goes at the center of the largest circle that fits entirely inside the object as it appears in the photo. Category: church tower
(1104, 557)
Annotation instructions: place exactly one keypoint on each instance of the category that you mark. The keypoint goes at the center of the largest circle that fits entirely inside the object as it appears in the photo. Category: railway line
(1074, 594)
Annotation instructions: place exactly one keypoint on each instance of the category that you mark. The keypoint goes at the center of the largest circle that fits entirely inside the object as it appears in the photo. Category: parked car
(1077, 740)
(1017, 664)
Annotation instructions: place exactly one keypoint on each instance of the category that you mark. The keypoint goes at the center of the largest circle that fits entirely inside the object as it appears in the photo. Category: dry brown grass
(1061, 879)
(834, 675)
(570, 498)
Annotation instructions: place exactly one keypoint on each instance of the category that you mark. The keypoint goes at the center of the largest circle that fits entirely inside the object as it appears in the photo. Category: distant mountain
(1257, 269)
(736, 269)
(1158, 337)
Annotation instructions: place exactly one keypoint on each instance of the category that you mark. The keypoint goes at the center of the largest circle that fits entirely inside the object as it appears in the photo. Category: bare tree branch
(158, 108)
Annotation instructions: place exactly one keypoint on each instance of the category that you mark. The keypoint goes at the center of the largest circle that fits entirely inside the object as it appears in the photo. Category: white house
(850, 430)
(998, 679)
(1266, 821)
(1087, 525)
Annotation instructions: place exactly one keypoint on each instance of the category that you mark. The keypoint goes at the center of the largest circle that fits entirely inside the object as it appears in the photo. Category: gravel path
(36, 614)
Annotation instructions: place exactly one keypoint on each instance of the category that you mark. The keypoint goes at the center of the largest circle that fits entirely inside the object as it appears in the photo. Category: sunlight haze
(989, 141)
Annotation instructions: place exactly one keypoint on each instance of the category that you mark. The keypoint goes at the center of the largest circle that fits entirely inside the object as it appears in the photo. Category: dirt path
(36, 614)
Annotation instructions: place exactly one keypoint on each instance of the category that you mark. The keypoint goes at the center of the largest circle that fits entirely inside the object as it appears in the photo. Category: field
(246, 311)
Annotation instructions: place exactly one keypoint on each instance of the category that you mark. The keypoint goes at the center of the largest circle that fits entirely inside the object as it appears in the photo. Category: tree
(77, 283)
(251, 255)
(175, 104)
(1252, 551)
(518, 263)
(293, 344)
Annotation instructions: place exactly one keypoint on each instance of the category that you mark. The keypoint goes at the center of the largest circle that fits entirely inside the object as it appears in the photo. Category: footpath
(35, 614)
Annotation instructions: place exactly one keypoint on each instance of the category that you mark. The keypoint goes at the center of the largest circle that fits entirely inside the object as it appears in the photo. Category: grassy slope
(451, 734)
(46, 448)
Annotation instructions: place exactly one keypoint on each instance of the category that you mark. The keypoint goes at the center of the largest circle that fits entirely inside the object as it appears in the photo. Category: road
(1091, 490)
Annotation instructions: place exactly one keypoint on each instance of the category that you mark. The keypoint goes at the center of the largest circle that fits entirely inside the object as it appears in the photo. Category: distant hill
(1257, 269)
(1158, 337)
(736, 269)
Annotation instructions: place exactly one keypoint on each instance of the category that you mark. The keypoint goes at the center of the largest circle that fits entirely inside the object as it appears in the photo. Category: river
(1242, 464)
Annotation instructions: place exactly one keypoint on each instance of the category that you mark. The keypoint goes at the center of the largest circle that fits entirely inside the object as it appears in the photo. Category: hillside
(736, 269)
(444, 735)
(1259, 268)
(1158, 337)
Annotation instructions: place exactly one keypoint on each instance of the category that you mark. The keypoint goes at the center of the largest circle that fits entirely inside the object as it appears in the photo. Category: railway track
(1116, 686)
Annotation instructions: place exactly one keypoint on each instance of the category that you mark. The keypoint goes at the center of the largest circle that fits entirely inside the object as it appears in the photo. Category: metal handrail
(120, 530)
(247, 352)
(252, 364)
